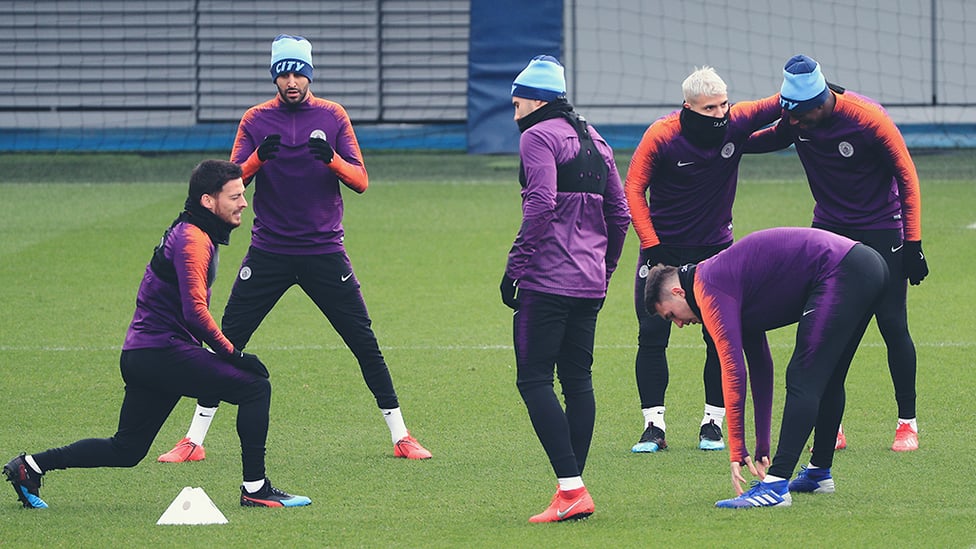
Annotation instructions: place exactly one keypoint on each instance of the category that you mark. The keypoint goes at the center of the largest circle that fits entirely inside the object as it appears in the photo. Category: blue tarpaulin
(505, 35)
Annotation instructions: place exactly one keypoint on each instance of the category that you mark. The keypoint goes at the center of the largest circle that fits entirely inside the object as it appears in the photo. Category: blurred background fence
(123, 75)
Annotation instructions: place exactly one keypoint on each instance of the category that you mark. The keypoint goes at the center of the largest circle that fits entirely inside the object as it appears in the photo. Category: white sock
(713, 413)
(251, 486)
(394, 420)
(772, 478)
(570, 483)
(655, 415)
(33, 464)
(911, 422)
(200, 424)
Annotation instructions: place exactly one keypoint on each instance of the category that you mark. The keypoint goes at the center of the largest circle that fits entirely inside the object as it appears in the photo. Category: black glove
(913, 262)
(321, 149)
(651, 256)
(250, 363)
(509, 289)
(269, 147)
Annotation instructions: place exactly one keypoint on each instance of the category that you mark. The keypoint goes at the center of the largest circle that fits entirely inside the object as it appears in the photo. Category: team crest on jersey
(245, 272)
(644, 269)
(728, 149)
(317, 134)
(845, 149)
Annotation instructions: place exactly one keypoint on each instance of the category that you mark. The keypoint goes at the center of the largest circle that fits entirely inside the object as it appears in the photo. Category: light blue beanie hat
(291, 54)
(804, 87)
(544, 79)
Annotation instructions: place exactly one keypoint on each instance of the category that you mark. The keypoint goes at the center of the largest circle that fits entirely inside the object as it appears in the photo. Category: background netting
(177, 75)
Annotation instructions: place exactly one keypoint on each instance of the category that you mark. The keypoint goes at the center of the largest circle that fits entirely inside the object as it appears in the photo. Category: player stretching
(828, 285)
(680, 188)
(163, 358)
(299, 148)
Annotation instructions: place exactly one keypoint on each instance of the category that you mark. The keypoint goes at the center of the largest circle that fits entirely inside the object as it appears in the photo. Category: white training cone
(192, 506)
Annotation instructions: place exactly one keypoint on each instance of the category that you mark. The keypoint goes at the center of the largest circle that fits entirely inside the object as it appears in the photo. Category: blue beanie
(543, 79)
(804, 87)
(291, 54)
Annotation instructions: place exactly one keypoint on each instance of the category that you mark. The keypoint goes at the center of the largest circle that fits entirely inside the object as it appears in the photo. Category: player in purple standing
(680, 188)
(163, 358)
(829, 286)
(299, 150)
(574, 221)
(866, 188)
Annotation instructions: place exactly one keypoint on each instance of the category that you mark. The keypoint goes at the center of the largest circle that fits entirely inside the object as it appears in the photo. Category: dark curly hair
(209, 177)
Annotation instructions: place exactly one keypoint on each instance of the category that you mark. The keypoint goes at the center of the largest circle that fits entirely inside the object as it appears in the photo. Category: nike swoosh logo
(896, 248)
(205, 415)
(804, 139)
(683, 164)
(345, 277)
(564, 512)
(805, 313)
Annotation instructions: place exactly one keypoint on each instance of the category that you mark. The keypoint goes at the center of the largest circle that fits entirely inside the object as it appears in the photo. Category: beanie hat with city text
(291, 54)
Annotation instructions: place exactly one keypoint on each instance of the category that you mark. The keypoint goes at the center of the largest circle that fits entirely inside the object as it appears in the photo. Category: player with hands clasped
(163, 359)
(574, 221)
(866, 188)
(829, 286)
(299, 150)
(680, 188)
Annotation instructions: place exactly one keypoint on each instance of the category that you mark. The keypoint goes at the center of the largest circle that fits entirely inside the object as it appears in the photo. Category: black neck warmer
(686, 277)
(703, 131)
(554, 109)
(215, 227)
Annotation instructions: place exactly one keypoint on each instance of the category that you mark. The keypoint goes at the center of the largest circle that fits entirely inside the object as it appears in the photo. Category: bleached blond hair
(704, 82)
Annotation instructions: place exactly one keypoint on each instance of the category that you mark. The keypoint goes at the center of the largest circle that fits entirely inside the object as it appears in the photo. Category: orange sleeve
(765, 111)
(352, 175)
(192, 262)
(250, 167)
(348, 163)
(893, 145)
(906, 175)
(639, 176)
(723, 324)
(244, 152)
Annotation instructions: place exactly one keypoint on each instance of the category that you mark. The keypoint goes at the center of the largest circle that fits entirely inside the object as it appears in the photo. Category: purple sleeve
(773, 138)
(195, 262)
(538, 201)
(761, 382)
(617, 215)
(721, 314)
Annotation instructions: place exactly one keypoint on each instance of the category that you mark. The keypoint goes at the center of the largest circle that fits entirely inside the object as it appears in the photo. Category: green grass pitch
(428, 241)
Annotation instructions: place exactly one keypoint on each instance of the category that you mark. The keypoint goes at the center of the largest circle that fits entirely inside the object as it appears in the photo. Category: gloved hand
(321, 149)
(250, 363)
(651, 256)
(913, 262)
(269, 147)
(509, 289)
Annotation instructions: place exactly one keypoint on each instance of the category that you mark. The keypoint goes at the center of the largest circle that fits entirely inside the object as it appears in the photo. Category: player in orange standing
(680, 187)
(866, 188)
